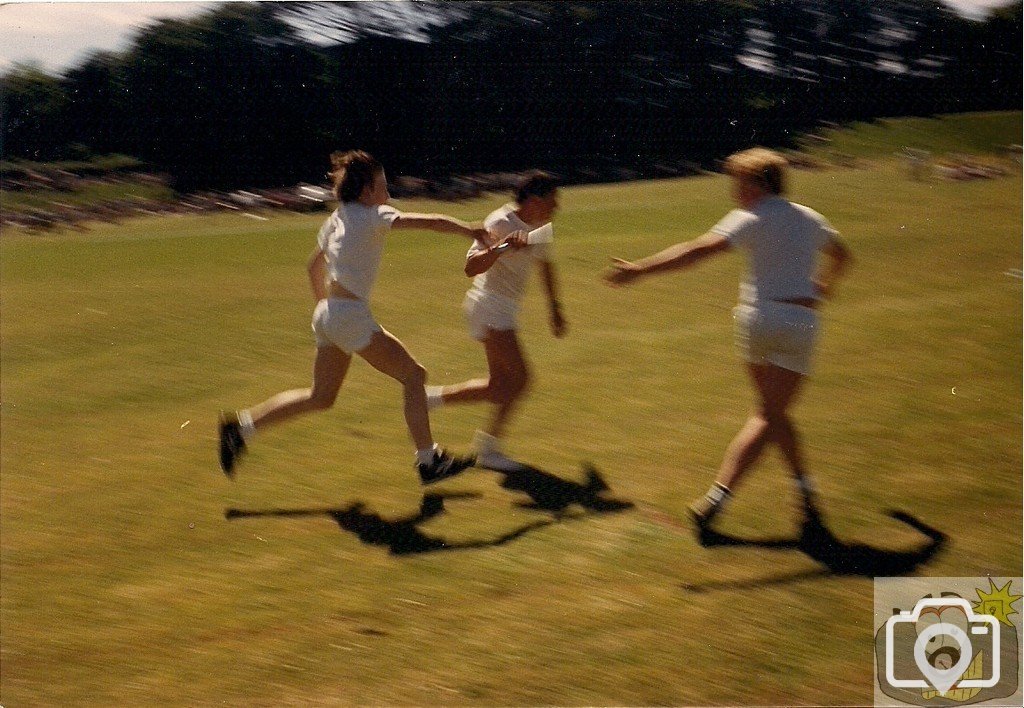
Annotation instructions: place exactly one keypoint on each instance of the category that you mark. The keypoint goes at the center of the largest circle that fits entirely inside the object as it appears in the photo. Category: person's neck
(527, 216)
(752, 200)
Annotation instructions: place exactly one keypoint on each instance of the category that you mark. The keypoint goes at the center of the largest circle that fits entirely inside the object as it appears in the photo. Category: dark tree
(259, 94)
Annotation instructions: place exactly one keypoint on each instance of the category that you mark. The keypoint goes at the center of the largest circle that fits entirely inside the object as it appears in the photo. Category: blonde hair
(762, 167)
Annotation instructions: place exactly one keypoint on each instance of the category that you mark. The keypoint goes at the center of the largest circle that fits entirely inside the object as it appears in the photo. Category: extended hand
(484, 236)
(516, 240)
(622, 272)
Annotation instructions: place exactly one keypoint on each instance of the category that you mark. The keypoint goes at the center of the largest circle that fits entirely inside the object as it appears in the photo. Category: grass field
(978, 134)
(135, 191)
(123, 582)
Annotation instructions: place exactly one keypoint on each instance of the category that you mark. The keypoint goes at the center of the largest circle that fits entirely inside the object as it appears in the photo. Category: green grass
(986, 134)
(18, 201)
(123, 584)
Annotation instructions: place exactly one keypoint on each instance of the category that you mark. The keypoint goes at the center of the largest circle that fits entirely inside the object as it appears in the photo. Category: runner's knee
(321, 400)
(415, 375)
(507, 388)
(521, 383)
(774, 417)
(497, 390)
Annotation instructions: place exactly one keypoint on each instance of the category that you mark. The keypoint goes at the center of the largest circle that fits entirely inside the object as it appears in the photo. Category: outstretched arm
(480, 260)
(442, 224)
(839, 260)
(682, 255)
(317, 270)
(550, 278)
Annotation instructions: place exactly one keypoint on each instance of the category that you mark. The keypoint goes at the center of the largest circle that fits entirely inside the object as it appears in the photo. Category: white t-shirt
(511, 272)
(783, 240)
(352, 239)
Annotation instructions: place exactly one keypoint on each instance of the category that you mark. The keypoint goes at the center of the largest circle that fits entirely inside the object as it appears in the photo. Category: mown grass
(124, 584)
(979, 134)
(90, 194)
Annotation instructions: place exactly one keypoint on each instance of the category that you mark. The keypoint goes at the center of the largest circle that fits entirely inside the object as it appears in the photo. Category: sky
(59, 35)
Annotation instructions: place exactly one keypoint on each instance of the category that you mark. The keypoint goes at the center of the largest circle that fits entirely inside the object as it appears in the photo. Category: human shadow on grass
(554, 495)
(836, 557)
(402, 535)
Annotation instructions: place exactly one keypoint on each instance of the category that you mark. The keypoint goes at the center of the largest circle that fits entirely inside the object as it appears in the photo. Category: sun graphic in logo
(998, 602)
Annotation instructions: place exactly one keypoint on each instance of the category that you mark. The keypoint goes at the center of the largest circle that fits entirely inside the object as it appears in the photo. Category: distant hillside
(971, 133)
(43, 196)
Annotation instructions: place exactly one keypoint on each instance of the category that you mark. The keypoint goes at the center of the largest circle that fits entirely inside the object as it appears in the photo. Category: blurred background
(161, 166)
(227, 96)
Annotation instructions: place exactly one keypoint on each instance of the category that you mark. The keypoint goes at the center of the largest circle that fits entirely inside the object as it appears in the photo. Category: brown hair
(351, 172)
(535, 184)
(765, 168)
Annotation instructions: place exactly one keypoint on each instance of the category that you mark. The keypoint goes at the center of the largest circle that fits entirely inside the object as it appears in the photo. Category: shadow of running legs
(555, 495)
(836, 557)
(841, 557)
(402, 535)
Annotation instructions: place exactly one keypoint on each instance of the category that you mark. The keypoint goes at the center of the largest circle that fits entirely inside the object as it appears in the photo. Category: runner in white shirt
(500, 274)
(342, 271)
(776, 321)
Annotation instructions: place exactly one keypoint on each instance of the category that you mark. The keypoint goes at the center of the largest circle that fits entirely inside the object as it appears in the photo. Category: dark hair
(352, 171)
(535, 184)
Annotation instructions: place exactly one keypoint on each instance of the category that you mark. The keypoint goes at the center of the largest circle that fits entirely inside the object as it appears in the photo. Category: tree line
(250, 95)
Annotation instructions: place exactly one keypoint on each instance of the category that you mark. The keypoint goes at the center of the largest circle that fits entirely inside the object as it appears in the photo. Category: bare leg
(777, 389)
(789, 443)
(508, 379)
(389, 356)
(472, 391)
(743, 451)
(509, 376)
(329, 371)
(780, 387)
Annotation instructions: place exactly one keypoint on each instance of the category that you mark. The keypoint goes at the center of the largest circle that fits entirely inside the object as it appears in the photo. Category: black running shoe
(702, 511)
(443, 466)
(232, 444)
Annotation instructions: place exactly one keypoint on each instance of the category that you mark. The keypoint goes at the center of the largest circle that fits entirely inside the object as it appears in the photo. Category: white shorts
(346, 324)
(486, 311)
(777, 333)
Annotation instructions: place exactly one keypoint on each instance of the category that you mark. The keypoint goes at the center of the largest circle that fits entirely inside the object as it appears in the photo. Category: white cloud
(57, 35)
(976, 8)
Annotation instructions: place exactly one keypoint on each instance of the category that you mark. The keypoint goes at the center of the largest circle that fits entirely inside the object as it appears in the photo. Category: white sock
(426, 455)
(484, 443)
(434, 399)
(718, 494)
(805, 486)
(245, 423)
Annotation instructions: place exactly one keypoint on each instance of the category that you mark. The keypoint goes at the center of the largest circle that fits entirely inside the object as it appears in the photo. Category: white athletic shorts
(486, 311)
(346, 324)
(777, 333)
